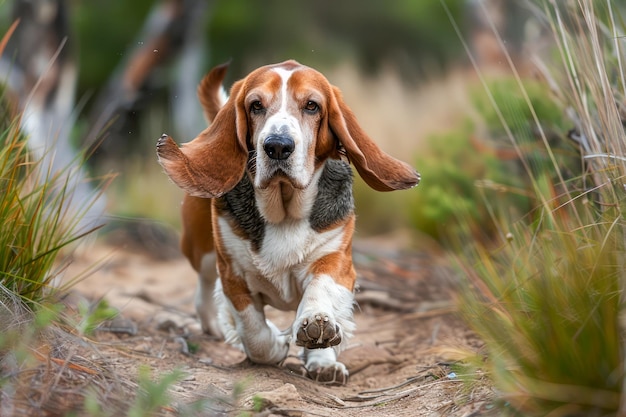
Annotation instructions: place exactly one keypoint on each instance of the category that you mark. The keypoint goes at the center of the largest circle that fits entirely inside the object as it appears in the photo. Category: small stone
(284, 396)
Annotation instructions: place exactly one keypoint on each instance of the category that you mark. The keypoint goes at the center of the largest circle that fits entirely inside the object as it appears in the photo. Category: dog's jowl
(268, 214)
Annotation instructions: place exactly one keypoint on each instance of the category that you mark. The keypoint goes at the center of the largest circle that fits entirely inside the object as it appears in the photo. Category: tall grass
(37, 218)
(548, 300)
(40, 226)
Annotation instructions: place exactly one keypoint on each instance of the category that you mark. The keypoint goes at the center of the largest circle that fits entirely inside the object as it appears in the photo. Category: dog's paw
(318, 331)
(325, 369)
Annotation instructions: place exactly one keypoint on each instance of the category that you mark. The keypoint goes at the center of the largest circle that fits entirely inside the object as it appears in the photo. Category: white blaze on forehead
(284, 75)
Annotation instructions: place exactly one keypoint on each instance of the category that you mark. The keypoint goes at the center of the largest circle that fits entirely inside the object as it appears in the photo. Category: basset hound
(268, 214)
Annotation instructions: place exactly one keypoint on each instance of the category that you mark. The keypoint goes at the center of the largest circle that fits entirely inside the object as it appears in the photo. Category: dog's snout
(279, 146)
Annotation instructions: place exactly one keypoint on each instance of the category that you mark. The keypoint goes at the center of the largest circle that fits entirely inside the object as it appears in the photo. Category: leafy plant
(484, 162)
(94, 315)
(153, 394)
(450, 166)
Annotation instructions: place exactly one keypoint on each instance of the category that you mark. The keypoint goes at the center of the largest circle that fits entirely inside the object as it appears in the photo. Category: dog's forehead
(290, 74)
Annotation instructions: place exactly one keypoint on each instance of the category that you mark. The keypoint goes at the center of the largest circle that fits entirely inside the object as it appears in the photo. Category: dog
(268, 215)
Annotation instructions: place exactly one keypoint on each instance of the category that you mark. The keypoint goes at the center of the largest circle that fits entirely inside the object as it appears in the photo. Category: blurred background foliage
(415, 37)
(413, 43)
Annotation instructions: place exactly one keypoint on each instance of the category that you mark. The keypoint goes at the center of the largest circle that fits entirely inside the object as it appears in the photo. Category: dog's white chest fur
(278, 272)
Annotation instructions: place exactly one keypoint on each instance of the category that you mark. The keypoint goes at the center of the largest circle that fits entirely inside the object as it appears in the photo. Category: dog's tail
(211, 92)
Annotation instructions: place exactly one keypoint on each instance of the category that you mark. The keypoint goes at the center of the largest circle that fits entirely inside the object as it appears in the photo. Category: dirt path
(404, 321)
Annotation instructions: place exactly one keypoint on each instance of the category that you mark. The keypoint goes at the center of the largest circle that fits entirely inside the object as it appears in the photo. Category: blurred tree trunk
(172, 30)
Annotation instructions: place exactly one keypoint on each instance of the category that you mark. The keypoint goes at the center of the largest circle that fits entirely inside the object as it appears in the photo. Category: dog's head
(280, 123)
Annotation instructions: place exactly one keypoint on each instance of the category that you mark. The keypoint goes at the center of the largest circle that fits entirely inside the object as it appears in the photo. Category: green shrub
(484, 162)
(451, 167)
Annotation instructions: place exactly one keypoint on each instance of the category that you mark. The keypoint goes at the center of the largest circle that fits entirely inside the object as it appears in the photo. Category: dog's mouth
(282, 179)
(274, 173)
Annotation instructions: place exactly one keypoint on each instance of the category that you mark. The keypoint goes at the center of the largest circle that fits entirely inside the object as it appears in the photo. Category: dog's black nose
(278, 146)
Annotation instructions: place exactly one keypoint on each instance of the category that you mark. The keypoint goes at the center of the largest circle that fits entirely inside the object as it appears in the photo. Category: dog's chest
(274, 258)
(278, 272)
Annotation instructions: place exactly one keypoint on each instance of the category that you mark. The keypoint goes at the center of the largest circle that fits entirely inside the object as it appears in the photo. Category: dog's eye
(256, 107)
(311, 107)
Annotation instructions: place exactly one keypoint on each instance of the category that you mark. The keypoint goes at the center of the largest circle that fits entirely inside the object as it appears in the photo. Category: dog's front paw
(318, 331)
(322, 366)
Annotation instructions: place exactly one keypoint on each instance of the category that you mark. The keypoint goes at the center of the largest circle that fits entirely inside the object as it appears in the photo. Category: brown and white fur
(269, 200)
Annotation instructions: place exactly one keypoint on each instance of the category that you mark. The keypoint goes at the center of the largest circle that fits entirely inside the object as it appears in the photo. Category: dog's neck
(281, 201)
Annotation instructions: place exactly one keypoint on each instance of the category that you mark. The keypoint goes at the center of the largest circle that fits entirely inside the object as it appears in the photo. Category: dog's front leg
(244, 323)
(323, 324)
(261, 339)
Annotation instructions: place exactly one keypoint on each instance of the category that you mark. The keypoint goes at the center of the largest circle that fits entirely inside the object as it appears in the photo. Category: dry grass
(45, 367)
(547, 302)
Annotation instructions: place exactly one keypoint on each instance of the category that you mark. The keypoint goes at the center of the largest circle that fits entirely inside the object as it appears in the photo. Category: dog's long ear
(379, 170)
(214, 162)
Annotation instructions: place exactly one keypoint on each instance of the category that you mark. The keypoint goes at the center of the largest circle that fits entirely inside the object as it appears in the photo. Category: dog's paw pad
(330, 374)
(317, 332)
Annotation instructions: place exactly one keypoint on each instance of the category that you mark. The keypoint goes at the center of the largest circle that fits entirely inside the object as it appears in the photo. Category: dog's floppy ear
(214, 162)
(379, 170)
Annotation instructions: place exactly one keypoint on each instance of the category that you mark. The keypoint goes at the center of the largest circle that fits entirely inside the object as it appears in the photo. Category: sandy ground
(406, 321)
